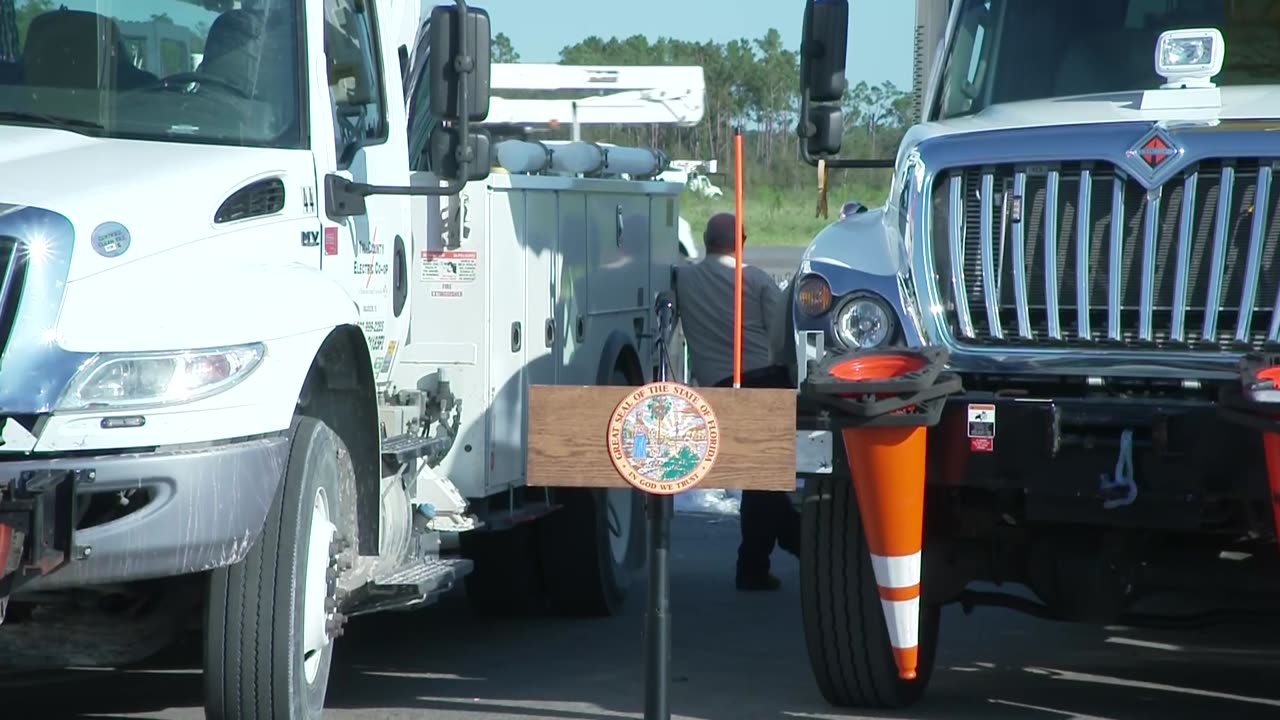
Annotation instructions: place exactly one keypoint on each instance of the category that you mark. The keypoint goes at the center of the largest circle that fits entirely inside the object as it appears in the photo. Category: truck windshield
(212, 71)
(1012, 50)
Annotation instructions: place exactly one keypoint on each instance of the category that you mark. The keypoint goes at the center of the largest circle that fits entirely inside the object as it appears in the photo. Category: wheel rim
(618, 506)
(315, 613)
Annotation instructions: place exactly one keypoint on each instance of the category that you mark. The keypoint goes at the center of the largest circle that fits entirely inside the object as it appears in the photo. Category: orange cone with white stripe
(888, 469)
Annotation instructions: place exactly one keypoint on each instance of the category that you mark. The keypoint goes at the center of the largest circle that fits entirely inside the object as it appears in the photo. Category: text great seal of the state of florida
(663, 438)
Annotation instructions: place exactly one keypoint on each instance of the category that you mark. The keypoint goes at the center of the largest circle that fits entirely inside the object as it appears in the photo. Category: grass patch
(779, 216)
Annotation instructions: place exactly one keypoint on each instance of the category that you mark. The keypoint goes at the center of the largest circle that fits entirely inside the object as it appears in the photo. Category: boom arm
(641, 94)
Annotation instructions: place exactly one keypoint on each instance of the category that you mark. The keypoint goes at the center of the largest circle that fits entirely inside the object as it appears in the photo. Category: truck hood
(163, 194)
(1258, 103)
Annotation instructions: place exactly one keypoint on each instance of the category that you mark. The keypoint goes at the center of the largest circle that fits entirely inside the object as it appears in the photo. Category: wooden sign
(663, 438)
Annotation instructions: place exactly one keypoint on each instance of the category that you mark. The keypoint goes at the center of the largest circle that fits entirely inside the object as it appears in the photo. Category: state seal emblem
(663, 438)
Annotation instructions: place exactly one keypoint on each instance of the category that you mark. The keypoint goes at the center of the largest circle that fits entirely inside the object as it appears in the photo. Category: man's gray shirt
(704, 302)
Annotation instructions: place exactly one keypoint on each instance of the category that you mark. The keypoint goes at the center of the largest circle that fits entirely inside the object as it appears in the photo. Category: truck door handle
(515, 336)
(550, 331)
(580, 331)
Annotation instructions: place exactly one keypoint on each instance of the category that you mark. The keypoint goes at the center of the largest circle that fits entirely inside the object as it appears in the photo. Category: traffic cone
(888, 469)
(887, 465)
(1271, 449)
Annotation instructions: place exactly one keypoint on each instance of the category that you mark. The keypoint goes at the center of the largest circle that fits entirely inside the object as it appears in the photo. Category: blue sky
(879, 35)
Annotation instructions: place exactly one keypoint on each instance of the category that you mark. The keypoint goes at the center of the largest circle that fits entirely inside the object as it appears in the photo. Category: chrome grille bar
(957, 254)
(1222, 226)
(1117, 257)
(1051, 254)
(1178, 333)
(1150, 232)
(1084, 213)
(13, 267)
(1020, 257)
(990, 293)
(1257, 236)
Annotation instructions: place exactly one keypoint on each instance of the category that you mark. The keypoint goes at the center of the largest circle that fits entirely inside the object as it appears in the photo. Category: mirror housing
(827, 132)
(443, 149)
(823, 46)
(446, 34)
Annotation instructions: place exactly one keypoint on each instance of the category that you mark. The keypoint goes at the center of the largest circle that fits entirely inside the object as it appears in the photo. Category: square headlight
(1190, 58)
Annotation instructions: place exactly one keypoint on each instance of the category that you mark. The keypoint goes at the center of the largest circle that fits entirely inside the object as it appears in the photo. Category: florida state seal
(663, 438)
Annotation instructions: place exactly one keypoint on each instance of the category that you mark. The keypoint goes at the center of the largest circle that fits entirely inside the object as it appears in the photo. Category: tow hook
(1120, 490)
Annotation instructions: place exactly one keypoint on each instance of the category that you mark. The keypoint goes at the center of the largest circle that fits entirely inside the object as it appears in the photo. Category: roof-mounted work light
(1190, 58)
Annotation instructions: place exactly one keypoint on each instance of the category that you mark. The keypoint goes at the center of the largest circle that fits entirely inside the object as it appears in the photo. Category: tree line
(750, 84)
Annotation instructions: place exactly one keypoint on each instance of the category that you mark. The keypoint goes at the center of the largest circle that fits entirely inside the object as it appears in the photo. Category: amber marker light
(814, 295)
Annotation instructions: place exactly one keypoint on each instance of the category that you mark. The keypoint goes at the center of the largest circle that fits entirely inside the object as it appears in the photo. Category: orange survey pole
(737, 254)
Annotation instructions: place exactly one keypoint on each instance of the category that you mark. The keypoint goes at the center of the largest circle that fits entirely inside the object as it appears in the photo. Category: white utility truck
(264, 366)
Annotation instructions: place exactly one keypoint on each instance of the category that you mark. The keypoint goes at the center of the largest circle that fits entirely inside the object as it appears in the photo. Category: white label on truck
(982, 428)
(448, 271)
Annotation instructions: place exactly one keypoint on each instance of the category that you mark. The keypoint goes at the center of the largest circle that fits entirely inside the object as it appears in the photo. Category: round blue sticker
(110, 239)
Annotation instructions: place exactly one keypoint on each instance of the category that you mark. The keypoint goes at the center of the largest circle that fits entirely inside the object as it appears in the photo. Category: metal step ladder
(419, 583)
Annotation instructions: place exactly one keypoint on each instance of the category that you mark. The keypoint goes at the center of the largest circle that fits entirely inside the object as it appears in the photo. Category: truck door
(367, 253)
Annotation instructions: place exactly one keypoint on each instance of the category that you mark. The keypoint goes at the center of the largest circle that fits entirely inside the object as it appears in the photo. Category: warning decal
(448, 271)
(448, 266)
(982, 428)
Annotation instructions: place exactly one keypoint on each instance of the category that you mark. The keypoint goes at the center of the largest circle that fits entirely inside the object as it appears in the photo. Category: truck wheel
(844, 626)
(593, 545)
(270, 623)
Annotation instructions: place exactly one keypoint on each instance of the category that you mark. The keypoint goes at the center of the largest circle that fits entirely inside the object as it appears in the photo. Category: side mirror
(823, 46)
(443, 151)
(827, 131)
(446, 42)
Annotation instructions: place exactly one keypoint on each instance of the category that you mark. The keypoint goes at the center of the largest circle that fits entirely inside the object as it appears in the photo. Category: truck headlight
(112, 381)
(864, 323)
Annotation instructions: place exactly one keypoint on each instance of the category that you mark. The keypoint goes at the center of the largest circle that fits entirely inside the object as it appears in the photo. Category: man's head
(719, 235)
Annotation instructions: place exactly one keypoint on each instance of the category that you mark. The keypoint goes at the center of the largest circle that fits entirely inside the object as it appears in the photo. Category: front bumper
(203, 508)
(1059, 456)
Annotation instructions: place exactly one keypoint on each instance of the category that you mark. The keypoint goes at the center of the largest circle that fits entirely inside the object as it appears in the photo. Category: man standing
(704, 303)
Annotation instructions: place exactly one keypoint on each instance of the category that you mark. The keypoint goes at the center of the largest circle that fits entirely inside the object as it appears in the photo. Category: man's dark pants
(766, 516)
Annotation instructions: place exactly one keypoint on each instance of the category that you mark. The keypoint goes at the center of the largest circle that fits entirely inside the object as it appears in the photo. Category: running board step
(418, 583)
(403, 448)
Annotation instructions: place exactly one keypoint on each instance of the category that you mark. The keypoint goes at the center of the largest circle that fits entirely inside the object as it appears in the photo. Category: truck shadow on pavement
(735, 657)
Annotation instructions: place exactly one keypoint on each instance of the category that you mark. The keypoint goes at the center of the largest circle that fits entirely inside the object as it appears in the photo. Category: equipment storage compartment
(618, 241)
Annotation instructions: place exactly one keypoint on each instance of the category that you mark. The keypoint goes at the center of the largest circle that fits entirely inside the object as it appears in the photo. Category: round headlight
(813, 295)
(864, 323)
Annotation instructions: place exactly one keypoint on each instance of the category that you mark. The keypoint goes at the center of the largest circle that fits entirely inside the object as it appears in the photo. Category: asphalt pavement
(736, 657)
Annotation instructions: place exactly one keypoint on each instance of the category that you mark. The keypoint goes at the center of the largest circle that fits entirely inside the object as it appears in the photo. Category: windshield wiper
(59, 121)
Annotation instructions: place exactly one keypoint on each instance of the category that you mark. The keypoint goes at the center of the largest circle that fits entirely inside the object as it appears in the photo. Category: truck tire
(593, 545)
(270, 620)
(844, 626)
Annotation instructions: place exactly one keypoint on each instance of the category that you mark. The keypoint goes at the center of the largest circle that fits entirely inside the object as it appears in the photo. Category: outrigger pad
(881, 388)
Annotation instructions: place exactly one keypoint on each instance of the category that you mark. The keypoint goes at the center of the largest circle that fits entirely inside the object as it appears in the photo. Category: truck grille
(1078, 255)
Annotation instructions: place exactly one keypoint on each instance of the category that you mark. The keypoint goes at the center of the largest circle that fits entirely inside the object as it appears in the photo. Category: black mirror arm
(805, 130)
(344, 198)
